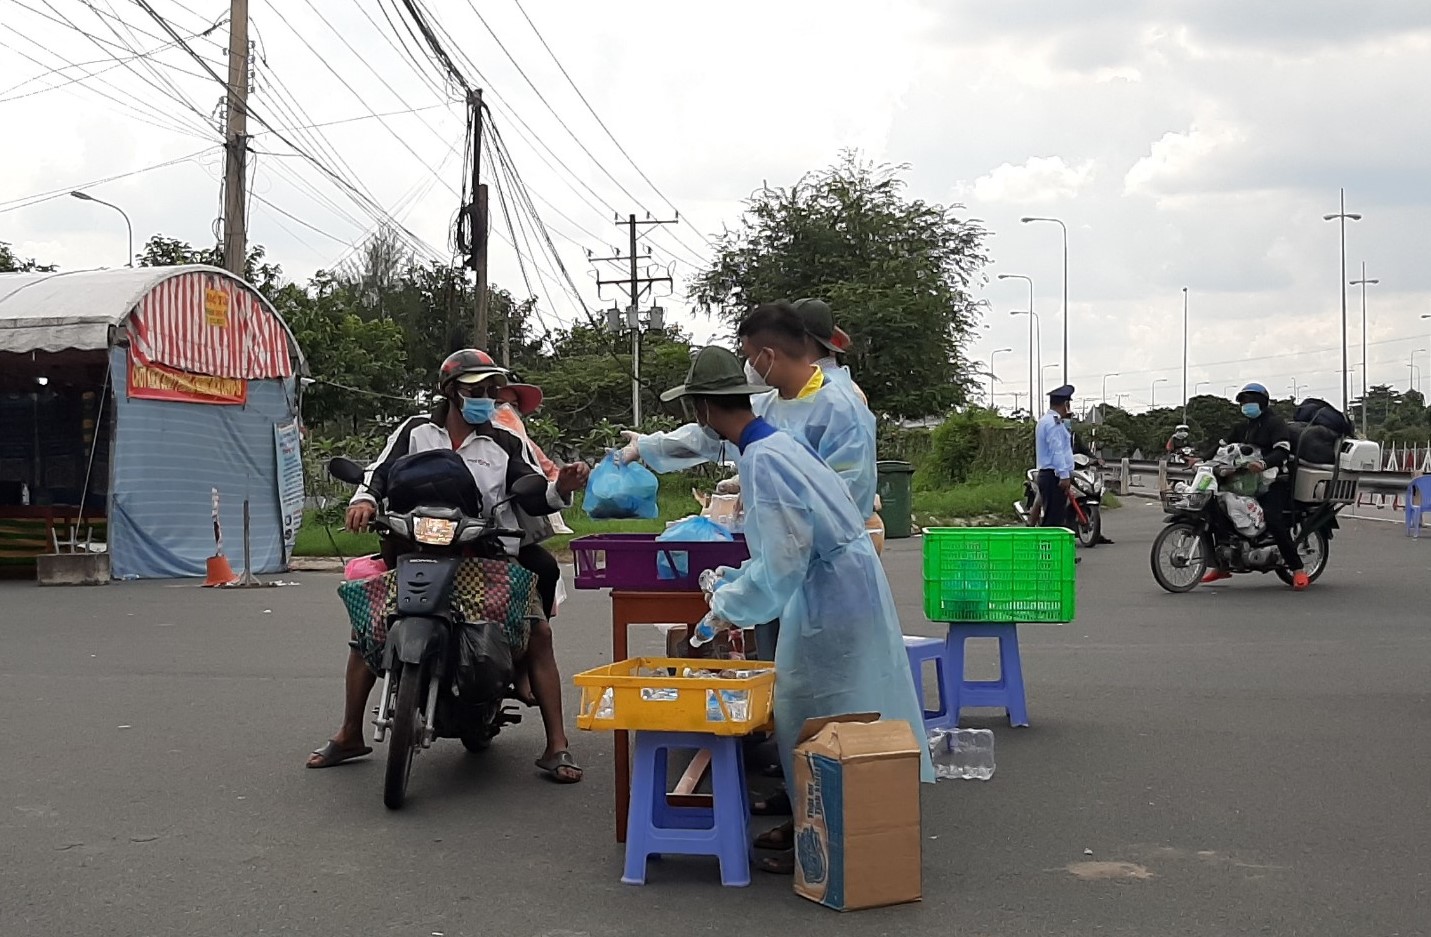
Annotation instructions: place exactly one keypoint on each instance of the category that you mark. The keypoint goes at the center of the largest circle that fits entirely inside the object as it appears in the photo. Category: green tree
(160, 251)
(897, 271)
(11, 263)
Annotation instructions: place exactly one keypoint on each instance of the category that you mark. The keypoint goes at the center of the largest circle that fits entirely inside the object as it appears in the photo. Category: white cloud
(1037, 179)
(1175, 159)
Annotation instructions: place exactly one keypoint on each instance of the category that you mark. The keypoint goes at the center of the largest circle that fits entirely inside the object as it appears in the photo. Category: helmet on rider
(467, 366)
(1254, 393)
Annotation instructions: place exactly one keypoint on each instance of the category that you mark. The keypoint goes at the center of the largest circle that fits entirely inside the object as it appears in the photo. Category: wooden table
(645, 608)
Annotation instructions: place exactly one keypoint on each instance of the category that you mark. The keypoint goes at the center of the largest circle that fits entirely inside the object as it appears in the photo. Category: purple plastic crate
(628, 561)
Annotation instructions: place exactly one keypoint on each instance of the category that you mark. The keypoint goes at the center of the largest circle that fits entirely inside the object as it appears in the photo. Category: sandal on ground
(560, 768)
(779, 864)
(775, 805)
(332, 754)
(780, 839)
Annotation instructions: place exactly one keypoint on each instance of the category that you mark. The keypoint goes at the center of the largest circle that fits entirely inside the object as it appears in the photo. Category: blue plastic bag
(616, 491)
(693, 529)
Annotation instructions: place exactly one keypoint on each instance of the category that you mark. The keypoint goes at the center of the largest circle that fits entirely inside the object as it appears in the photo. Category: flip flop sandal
(782, 864)
(553, 767)
(330, 754)
(780, 839)
(776, 805)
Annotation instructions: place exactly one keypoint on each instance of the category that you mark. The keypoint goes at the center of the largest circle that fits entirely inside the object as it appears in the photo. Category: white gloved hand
(728, 486)
(631, 452)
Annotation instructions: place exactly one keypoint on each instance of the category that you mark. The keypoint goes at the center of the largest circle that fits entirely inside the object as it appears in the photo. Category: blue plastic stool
(927, 649)
(655, 827)
(1007, 692)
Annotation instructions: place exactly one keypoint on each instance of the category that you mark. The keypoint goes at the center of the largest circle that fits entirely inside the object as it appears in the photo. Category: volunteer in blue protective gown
(791, 393)
(811, 565)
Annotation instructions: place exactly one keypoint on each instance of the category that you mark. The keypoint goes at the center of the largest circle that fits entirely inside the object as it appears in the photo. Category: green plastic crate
(999, 574)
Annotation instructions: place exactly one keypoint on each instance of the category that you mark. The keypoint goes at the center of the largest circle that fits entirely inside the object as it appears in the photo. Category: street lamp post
(1058, 222)
(1041, 379)
(1363, 283)
(1153, 403)
(85, 197)
(1229, 390)
(1104, 396)
(1185, 354)
(1197, 389)
(992, 355)
(1343, 216)
(1035, 336)
(1296, 390)
(1415, 371)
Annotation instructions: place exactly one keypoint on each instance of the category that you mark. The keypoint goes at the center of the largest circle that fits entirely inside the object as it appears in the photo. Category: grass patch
(991, 498)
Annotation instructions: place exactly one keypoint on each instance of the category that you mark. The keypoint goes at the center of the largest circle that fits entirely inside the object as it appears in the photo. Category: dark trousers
(535, 557)
(1275, 501)
(1055, 500)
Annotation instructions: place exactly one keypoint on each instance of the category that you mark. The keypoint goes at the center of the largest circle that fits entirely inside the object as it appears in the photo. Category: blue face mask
(477, 410)
(1252, 410)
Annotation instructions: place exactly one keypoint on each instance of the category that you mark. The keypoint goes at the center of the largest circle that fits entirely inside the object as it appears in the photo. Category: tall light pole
(1229, 391)
(1185, 354)
(992, 355)
(1065, 286)
(86, 197)
(1343, 216)
(1296, 389)
(1153, 394)
(1034, 329)
(1035, 340)
(1363, 283)
(1040, 376)
(1197, 389)
(1104, 396)
(1415, 371)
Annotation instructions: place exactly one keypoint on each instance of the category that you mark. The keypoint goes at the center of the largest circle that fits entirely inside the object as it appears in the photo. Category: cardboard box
(856, 803)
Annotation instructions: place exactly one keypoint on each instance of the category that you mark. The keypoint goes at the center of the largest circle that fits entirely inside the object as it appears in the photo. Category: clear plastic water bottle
(962, 753)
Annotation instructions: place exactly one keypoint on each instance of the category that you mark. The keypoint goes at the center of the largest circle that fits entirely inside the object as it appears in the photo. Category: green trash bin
(895, 486)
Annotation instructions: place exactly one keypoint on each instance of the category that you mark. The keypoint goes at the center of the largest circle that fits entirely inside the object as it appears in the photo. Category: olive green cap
(715, 371)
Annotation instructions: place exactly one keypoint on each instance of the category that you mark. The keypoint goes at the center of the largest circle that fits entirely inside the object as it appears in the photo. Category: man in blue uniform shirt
(1053, 444)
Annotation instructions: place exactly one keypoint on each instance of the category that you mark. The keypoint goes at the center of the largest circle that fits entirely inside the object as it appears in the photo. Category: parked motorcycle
(1210, 523)
(442, 676)
(1085, 501)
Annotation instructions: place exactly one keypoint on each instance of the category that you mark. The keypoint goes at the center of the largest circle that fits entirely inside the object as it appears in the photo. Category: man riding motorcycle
(1267, 431)
(470, 383)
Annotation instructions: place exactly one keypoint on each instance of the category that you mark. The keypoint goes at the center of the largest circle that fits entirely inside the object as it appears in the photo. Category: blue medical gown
(833, 420)
(813, 566)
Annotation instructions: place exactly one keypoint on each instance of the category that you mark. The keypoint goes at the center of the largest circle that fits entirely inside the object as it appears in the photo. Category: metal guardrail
(1375, 483)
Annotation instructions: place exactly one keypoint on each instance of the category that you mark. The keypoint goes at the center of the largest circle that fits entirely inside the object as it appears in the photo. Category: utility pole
(477, 223)
(635, 285)
(236, 143)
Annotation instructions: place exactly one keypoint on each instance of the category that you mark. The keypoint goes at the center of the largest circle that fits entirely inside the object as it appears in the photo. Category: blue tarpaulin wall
(167, 458)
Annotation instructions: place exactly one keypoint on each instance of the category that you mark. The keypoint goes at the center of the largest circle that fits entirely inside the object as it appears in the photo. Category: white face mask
(707, 429)
(753, 375)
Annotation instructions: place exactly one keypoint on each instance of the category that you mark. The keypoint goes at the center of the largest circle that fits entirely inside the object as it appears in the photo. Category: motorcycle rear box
(1360, 455)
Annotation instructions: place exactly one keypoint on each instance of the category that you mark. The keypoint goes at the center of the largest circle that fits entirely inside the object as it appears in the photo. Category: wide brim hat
(529, 397)
(715, 372)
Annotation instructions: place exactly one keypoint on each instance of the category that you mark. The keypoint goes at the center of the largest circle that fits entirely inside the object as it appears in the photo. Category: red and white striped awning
(209, 324)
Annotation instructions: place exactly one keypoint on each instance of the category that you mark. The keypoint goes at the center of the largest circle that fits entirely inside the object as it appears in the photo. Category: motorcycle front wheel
(1090, 530)
(403, 739)
(1314, 551)
(1180, 556)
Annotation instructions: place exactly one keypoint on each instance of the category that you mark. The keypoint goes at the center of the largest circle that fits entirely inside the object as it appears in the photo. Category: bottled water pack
(962, 753)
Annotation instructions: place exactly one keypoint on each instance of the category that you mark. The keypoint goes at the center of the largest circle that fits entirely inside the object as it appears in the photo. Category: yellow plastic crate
(612, 697)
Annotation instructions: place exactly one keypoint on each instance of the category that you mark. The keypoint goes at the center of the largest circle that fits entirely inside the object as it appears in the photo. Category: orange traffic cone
(219, 573)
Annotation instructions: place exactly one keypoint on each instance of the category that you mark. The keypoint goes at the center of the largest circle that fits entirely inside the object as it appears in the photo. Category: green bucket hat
(715, 371)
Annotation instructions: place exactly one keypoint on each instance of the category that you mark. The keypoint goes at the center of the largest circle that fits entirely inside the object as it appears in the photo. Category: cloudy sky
(1192, 144)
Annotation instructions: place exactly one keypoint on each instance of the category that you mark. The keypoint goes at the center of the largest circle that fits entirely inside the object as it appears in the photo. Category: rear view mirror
(346, 470)
(529, 486)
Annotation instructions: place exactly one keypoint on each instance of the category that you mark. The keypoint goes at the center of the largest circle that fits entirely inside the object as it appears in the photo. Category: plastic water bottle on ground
(962, 753)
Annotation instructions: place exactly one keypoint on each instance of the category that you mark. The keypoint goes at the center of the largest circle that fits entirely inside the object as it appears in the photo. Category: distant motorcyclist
(1267, 431)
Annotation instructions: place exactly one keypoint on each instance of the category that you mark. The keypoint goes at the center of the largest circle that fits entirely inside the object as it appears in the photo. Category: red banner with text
(156, 382)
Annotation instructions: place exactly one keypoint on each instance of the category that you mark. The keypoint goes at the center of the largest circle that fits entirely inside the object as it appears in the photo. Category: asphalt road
(1239, 760)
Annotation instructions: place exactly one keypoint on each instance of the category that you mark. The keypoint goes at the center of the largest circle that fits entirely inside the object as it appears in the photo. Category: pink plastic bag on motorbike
(364, 567)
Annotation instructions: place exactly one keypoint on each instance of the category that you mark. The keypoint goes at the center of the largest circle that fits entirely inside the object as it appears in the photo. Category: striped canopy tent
(128, 398)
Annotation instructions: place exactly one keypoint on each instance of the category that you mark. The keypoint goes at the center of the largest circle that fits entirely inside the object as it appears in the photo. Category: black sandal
(776, 805)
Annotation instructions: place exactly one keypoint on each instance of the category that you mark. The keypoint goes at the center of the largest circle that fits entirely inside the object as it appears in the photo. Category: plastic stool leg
(731, 817)
(640, 818)
(1012, 671)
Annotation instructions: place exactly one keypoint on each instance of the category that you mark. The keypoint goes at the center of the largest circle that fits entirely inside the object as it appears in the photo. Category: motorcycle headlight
(434, 531)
